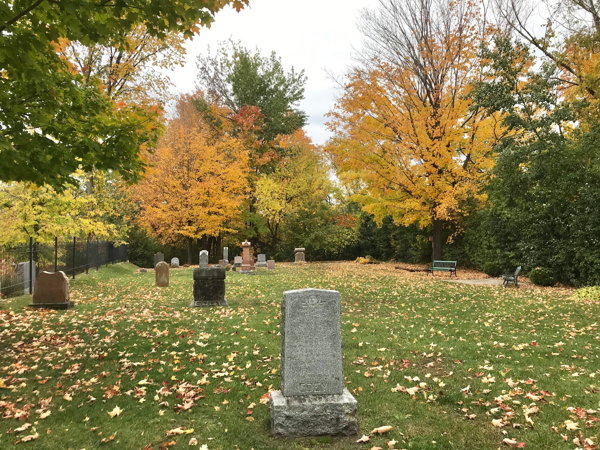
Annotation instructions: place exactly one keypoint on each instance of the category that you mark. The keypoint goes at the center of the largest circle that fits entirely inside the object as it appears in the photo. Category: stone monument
(158, 257)
(271, 264)
(226, 255)
(204, 259)
(299, 252)
(23, 276)
(237, 261)
(312, 400)
(175, 263)
(247, 263)
(262, 260)
(162, 274)
(222, 263)
(51, 291)
(209, 287)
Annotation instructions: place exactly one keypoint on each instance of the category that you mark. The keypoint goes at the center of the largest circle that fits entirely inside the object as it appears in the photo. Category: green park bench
(512, 278)
(445, 266)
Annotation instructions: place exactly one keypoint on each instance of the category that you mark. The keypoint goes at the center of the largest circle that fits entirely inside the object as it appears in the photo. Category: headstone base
(299, 262)
(248, 272)
(313, 415)
(199, 304)
(261, 264)
(70, 304)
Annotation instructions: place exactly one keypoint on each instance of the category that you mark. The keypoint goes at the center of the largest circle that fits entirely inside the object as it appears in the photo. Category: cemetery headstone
(209, 287)
(175, 263)
(262, 260)
(299, 253)
(204, 259)
(142, 270)
(247, 262)
(237, 261)
(222, 263)
(162, 274)
(312, 400)
(51, 291)
(271, 264)
(226, 254)
(158, 257)
(23, 273)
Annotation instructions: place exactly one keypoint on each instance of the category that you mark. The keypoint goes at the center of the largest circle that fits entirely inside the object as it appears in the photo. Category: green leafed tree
(52, 122)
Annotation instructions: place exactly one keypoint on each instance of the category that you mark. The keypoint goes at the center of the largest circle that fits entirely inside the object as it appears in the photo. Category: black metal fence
(20, 264)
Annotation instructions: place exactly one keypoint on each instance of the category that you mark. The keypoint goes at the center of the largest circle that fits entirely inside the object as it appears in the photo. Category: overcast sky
(314, 35)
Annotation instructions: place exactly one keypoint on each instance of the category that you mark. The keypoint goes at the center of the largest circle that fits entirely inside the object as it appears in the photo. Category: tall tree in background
(298, 182)
(404, 129)
(247, 84)
(51, 122)
(193, 188)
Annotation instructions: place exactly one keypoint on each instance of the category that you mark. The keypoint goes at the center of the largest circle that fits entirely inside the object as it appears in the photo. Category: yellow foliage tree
(299, 178)
(197, 181)
(405, 134)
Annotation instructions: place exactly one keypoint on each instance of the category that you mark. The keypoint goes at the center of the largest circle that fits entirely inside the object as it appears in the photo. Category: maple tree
(197, 182)
(299, 179)
(405, 133)
(42, 213)
(53, 122)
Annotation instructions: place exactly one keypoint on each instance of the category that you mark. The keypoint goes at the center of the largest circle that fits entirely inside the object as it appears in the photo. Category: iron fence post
(55, 254)
(74, 257)
(87, 261)
(30, 265)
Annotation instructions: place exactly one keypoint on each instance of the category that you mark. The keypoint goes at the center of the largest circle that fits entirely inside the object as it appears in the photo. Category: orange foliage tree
(196, 184)
(406, 137)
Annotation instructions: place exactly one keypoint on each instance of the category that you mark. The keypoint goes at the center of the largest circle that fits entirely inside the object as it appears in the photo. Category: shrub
(542, 277)
(366, 260)
(493, 269)
(588, 293)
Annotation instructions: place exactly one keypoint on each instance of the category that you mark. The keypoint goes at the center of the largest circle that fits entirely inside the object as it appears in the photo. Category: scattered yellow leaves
(115, 412)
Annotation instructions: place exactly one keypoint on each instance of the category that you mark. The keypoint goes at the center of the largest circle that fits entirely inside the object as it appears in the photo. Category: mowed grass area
(447, 365)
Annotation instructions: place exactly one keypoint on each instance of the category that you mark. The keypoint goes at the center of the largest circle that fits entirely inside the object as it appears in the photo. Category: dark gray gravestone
(312, 400)
(209, 287)
(158, 257)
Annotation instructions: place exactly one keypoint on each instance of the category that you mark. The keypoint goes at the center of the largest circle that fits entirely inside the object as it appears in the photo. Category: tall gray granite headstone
(226, 255)
(162, 274)
(23, 276)
(158, 257)
(312, 400)
(262, 260)
(175, 263)
(209, 287)
(204, 259)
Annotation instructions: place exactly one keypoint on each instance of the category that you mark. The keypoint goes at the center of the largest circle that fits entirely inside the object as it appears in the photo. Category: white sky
(314, 35)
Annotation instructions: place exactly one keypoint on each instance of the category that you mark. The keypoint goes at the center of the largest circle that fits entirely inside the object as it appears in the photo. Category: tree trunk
(437, 239)
(189, 245)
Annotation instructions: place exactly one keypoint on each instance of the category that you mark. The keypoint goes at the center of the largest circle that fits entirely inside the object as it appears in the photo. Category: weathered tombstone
(142, 270)
(271, 264)
(209, 287)
(175, 263)
(237, 261)
(23, 276)
(299, 253)
(162, 274)
(222, 263)
(204, 259)
(158, 257)
(312, 400)
(51, 291)
(226, 255)
(262, 260)
(247, 263)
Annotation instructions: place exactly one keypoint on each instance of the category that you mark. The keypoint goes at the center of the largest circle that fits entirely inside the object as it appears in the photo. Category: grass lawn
(446, 365)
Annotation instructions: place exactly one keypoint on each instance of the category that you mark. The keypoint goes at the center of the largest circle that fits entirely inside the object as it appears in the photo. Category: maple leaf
(364, 438)
(115, 412)
(381, 430)
(31, 437)
(498, 423)
(392, 444)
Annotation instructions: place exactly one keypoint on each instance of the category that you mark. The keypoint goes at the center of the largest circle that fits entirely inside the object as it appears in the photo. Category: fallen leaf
(115, 412)
(382, 430)
(392, 444)
(365, 438)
